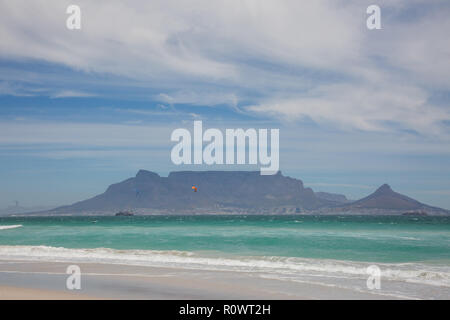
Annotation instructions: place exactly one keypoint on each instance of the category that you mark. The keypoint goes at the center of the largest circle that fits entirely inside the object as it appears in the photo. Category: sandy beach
(47, 280)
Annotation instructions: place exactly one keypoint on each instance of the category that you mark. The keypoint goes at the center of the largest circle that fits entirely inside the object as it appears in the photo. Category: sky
(356, 108)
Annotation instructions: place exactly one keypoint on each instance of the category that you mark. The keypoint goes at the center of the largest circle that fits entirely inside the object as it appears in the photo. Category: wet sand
(47, 280)
(14, 293)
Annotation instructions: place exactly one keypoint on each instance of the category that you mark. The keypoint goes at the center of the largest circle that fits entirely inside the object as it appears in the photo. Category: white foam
(10, 227)
(434, 275)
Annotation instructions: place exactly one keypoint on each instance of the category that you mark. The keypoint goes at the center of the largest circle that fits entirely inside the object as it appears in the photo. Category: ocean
(413, 253)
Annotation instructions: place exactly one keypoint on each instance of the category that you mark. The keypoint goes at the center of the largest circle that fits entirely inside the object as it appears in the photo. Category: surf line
(10, 227)
(234, 151)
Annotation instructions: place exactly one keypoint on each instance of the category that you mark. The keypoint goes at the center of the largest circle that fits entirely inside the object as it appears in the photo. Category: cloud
(13, 89)
(380, 107)
(199, 99)
(285, 59)
(96, 154)
(71, 94)
(161, 111)
(68, 134)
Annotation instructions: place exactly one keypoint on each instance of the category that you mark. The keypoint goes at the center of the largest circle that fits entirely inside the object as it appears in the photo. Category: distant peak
(146, 174)
(384, 188)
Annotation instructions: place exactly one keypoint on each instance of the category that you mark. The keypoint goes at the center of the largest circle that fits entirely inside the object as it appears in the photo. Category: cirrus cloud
(286, 58)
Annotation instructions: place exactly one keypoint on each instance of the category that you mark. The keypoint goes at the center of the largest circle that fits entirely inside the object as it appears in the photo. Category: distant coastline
(206, 212)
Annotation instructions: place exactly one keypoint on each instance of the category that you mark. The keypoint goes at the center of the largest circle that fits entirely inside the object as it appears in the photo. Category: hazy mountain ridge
(21, 210)
(386, 201)
(216, 189)
(234, 192)
(334, 197)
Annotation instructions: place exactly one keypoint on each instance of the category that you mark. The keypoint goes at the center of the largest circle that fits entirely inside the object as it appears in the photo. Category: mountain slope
(216, 189)
(385, 199)
(235, 192)
(333, 197)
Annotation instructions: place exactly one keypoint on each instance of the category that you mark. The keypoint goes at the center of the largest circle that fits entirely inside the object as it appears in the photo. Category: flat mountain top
(215, 190)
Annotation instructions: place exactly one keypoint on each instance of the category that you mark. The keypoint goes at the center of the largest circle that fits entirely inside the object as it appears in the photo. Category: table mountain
(243, 190)
(234, 192)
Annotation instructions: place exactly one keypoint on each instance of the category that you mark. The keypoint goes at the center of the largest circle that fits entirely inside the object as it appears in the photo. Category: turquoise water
(383, 239)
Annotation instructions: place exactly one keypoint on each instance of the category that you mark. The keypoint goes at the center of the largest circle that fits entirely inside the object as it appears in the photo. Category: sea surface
(412, 253)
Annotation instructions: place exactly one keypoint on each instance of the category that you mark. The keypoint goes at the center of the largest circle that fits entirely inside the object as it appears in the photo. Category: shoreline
(21, 279)
(187, 275)
(267, 258)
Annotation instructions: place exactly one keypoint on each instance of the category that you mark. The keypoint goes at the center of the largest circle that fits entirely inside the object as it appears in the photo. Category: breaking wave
(286, 267)
(10, 227)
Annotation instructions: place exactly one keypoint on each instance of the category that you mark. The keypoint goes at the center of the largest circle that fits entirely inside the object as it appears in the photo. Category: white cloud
(294, 59)
(161, 112)
(69, 134)
(71, 94)
(200, 99)
(7, 88)
(368, 108)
